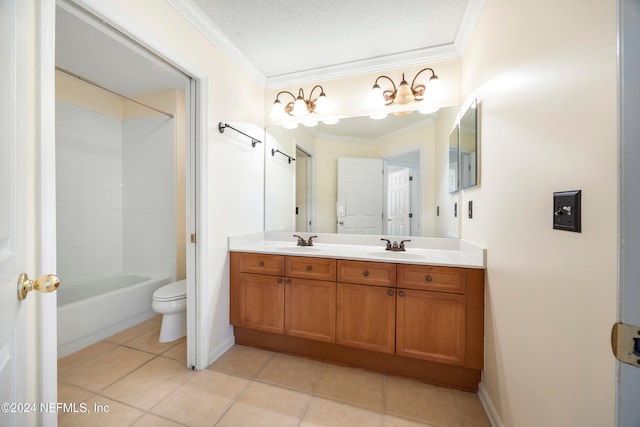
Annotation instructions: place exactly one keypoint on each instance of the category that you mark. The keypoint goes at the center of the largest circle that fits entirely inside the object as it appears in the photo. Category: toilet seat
(171, 292)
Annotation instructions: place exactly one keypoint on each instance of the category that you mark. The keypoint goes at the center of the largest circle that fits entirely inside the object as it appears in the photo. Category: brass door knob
(44, 284)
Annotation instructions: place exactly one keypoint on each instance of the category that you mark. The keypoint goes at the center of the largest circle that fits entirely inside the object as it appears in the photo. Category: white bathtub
(93, 310)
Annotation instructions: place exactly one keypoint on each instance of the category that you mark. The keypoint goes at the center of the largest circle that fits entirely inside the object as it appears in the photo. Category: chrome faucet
(302, 242)
(395, 246)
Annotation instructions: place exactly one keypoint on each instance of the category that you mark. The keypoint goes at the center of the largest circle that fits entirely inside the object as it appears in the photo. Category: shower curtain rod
(110, 91)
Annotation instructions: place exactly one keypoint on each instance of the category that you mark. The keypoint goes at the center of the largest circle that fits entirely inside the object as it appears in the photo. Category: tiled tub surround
(418, 313)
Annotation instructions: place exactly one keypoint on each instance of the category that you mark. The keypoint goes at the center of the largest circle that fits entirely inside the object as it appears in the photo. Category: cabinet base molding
(429, 372)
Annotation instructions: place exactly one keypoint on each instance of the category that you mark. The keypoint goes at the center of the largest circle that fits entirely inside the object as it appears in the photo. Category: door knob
(44, 284)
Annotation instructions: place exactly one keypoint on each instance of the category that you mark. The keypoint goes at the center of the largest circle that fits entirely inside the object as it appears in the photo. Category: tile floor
(143, 382)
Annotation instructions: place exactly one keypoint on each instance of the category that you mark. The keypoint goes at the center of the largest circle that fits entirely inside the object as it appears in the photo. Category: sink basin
(293, 248)
(395, 255)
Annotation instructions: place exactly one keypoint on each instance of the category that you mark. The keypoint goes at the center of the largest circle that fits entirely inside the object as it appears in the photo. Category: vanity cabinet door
(260, 302)
(431, 326)
(366, 317)
(310, 309)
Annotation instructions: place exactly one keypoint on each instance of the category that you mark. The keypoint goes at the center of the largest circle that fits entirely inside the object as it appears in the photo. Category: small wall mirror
(468, 147)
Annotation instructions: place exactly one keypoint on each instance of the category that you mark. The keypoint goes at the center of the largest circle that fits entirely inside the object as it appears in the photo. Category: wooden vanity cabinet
(420, 321)
(287, 298)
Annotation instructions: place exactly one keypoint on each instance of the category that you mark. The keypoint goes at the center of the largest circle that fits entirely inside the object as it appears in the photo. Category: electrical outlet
(567, 210)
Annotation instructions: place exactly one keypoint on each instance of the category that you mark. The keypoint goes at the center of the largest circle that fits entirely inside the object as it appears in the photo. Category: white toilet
(171, 301)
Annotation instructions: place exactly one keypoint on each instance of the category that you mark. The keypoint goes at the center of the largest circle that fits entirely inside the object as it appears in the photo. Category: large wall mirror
(469, 147)
(363, 176)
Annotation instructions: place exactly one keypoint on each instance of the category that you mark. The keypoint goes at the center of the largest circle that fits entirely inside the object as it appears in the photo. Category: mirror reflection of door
(402, 207)
(303, 188)
(360, 186)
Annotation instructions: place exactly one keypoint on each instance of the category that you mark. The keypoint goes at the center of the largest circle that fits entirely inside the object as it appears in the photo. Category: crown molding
(370, 65)
(468, 24)
(199, 19)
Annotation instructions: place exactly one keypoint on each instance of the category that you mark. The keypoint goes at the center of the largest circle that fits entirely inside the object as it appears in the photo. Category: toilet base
(174, 326)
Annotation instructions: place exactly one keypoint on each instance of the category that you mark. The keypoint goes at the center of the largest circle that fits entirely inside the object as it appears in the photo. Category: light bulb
(435, 89)
(428, 110)
(404, 95)
(322, 104)
(299, 107)
(377, 116)
(277, 110)
(376, 97)
(310, 123)
(330, 121)
(290, 125)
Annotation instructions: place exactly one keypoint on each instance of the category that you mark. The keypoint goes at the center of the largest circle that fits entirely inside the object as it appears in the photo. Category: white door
(628, 412)
(359, 206)
(399, 202)
(27, 353)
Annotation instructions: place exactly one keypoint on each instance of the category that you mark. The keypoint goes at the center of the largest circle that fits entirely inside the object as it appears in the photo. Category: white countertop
(421, 250)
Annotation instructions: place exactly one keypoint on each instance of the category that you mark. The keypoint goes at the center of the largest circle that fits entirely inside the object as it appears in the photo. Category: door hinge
(410, 178)
(193, 238)
(625, 343)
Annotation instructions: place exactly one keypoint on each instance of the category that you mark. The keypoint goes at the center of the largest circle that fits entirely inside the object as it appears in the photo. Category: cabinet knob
(429, 278)
(287, 282)
(390, 292)
(308, 268)
(279, 280)
(366, 273)
(400, 294)
(260, 263)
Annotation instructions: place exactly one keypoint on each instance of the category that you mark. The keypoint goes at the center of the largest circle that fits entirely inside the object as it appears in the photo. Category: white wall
(545, 75)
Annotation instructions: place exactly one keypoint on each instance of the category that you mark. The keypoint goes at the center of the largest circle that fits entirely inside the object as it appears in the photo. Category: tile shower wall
(149, 196)
(89, 193)
(115, 194)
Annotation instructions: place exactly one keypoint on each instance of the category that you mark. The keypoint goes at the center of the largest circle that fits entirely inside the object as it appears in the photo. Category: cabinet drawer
(367, 273)
(310, 268)
(441, 279)
(261, 264)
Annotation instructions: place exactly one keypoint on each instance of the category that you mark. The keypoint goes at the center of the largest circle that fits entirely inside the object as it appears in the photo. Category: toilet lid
(171, 291)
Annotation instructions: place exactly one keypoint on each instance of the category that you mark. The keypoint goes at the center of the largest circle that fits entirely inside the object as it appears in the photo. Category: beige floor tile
(69, 393)
(421, 402)
(326, 413)
(149, 325)
(203, 399)
(354, 386)
(148, 342)
(243, 361)
(110, 413)
(150, 420)
(105, 369)
(471, 410)
(294, 372)
(393, 421)
(178, 351)
(150, 383)
(81, 356)
(266, 405)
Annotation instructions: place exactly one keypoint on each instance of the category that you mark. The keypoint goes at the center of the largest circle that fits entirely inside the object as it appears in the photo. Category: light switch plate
(567, 210)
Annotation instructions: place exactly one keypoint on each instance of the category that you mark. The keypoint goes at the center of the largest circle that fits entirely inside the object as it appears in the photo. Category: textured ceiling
(284, 37)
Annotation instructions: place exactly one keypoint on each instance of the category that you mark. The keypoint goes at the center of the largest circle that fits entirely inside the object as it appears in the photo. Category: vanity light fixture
(404, 94)
(300, 106)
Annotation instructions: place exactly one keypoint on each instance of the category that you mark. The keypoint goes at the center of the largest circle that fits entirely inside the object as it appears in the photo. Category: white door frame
(627, 408)
(198, 153)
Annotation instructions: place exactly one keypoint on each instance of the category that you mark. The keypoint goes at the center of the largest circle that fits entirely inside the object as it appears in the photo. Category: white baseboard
(492, 414)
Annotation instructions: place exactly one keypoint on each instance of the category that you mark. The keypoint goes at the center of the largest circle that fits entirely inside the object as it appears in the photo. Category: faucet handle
(309, 241)
(301, 241)
(388, 243)
(402, 244)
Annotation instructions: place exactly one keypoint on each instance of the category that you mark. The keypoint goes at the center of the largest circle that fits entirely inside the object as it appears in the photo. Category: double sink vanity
(347, 299)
